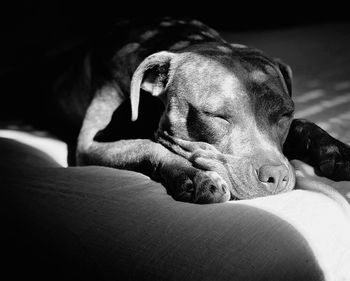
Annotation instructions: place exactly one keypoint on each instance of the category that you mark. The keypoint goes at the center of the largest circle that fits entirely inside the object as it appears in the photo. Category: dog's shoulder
(129, 42)
(164, 33)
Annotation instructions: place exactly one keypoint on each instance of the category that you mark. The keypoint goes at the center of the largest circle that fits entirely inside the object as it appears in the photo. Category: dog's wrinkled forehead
(230, 71)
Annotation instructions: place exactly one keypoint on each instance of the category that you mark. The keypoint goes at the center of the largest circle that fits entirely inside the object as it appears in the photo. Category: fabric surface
(99, 223)
(96, 223)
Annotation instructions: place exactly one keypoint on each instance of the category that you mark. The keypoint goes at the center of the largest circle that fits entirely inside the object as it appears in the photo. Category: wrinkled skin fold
(306, 141)
(206, 157)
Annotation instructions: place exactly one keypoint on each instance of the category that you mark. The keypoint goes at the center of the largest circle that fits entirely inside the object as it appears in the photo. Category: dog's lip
(292, 176)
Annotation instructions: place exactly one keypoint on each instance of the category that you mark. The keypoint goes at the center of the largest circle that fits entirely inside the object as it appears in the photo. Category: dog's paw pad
(187, 186)
(210, 187)
(185, 192)
(217, 179)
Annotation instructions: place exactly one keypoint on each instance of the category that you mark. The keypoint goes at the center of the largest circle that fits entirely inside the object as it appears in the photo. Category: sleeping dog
(212, 121)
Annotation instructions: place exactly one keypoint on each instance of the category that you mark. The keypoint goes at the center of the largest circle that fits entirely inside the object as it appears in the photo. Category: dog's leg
(309, 143)
(183, 181)
(126, 154)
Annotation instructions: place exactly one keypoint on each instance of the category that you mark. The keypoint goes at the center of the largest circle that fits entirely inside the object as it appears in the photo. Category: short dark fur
(94, 67)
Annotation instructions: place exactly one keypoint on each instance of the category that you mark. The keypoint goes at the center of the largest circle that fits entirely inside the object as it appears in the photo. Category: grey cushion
(96, 223)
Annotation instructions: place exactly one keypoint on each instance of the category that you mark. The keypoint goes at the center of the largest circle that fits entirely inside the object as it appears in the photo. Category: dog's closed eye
(218, 115)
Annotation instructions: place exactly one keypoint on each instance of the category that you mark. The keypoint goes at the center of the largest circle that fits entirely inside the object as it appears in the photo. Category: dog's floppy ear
(287, 74)
(151, 76)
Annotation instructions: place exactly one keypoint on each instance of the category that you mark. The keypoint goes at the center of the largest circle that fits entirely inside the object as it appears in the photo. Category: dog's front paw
(332, 159)
(210, 187)
(329, 156)
(204, 182)
(189, 184)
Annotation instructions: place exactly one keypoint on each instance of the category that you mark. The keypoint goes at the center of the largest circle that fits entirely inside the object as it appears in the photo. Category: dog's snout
(274, 177)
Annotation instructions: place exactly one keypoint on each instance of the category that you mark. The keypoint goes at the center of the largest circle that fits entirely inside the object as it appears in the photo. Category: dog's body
(221, 128)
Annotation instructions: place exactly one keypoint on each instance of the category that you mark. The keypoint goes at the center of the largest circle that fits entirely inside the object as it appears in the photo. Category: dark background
(30, 27)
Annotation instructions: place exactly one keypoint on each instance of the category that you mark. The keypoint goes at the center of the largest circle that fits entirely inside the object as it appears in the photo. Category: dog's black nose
(274, 177)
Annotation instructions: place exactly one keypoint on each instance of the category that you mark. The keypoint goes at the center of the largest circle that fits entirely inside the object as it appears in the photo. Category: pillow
(97, 223)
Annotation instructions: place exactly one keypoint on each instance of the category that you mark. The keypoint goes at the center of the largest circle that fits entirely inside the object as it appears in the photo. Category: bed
(97, 223)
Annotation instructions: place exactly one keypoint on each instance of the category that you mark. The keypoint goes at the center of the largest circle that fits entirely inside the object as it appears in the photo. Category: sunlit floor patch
(323, 105)
(339, 119)
(342, 86)
(308, 96)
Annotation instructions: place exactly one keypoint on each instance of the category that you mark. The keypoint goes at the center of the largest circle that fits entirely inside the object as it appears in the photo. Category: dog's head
(232, 97)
